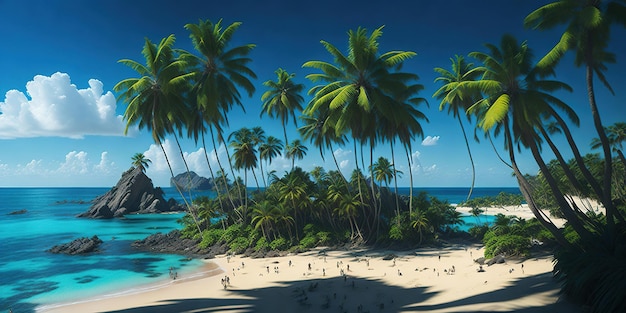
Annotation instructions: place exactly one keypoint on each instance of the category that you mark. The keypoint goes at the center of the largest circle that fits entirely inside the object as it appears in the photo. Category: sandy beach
(444, 279)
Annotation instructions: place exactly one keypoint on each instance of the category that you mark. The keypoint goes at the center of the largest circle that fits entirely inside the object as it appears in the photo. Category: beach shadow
(310, 295)
(520, 287)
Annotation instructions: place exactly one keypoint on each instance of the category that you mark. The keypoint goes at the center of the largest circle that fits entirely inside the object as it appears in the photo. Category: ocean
(31, 277)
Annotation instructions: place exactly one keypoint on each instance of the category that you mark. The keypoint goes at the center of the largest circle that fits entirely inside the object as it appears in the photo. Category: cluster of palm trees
(365, 96)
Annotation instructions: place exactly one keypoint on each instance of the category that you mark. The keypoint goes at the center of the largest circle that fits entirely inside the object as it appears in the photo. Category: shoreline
(420, 279)
(208, 269)
(404, 283)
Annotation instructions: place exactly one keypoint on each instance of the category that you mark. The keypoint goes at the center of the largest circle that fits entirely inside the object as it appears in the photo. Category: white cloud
(75, 163)
(430, 140)
(104, 166)
(57, 108)
(343, 164)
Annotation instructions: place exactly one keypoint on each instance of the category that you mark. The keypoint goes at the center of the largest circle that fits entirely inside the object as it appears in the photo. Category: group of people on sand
(225, 281)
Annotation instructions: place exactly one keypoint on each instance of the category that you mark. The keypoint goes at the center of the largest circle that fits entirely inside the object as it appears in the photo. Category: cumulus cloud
(430, 140)
(57, 108)
(75, 162)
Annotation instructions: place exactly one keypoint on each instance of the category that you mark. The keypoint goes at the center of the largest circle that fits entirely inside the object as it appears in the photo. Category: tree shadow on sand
(358, 295)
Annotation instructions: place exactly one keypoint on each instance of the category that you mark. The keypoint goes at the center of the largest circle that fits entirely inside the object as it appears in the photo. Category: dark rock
(499, 259)
(191, 180)
(480, 261)
(78, 246)
(133, 194)
(18, 212)
(172, 242)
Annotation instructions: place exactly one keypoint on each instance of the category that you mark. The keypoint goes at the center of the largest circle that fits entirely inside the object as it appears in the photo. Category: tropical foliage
(364, 98)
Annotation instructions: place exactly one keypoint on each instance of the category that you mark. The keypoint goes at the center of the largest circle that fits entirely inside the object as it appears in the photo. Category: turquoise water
(29, 276)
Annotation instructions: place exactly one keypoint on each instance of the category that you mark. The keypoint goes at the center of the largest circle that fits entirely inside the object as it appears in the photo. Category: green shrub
(511, 245)
(478, 231)
(324, 238)
(279, 243)
(309, 242)
(211, 236)
(261, 244)
(232, 232)
(239, 245)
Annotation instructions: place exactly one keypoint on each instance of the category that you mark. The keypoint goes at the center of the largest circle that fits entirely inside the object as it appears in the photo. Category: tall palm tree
(245, 157)
(258, 138)
(322, 135)
(420, 223)
(140, 161)
(264, 217)
(457, 99)
(282, 99)
(514, 103)
(361, 86)
(218, 72)
(295, 150)
(156, 98)
(268, 150)
(587, 33)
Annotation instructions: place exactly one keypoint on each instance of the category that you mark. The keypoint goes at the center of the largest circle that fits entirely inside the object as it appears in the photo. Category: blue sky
(60, 124)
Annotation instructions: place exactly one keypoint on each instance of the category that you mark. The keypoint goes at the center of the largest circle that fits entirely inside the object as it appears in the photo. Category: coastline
(415, 280)
(406, 284)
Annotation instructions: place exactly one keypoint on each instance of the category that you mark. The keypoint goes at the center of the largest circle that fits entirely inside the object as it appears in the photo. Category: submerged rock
(133, 194)
(78, 246)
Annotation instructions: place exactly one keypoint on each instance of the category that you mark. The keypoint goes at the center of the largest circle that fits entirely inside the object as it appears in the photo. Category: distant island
(191, 181)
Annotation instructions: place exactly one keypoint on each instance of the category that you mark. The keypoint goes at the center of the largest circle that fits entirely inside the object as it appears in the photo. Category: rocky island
(134, 193)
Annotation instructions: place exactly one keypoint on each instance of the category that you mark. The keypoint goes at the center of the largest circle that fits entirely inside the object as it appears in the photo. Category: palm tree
(616, 134)
(476, 212)
(258, 138)
(155, 99)
(514, 102)
(282, 99)
(295, 150)
(457, 99)
(218, 72)
(140, 161)
(264, 217)
(245, 157)
(420, 223)
(268, 150)
(587, 33)
(361, 87)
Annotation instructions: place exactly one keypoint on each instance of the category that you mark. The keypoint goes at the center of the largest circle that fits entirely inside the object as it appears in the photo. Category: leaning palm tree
(155, 99)
(282, 99)
(457, 99)
(587, 33)
(295, 150)
(140, 161)
(514, 104)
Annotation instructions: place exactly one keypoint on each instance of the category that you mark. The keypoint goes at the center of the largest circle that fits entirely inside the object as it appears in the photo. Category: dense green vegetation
(365, 99)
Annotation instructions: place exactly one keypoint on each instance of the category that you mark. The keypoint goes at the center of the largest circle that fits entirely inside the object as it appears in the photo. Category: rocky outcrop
(173, 242)
(78, 246)
(191, 180)
(133, 194)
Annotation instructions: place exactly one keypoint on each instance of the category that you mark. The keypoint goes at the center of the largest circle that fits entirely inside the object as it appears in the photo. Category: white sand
(417, 281)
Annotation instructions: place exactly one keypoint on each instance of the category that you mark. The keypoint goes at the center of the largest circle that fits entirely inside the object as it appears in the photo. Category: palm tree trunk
(219, 164)
(339, 170)
(206, 156)
(395, 181)
(469, 152)
(606, 147)
(565, 207)
(408, 157)
(182, 156)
